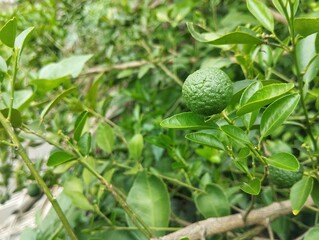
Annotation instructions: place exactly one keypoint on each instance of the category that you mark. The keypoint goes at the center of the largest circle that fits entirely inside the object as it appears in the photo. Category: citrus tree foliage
(101, 82)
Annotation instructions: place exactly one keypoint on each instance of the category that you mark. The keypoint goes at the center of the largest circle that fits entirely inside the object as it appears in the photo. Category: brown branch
(219, 225)
(121, 66)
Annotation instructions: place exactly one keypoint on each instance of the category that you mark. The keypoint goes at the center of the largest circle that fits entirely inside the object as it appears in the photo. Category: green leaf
(252, 187)
(187, 120)
(287, 4)
(312, 69)
(45, 85)
(21, 99)
(277, 112)
(84, 143)
(80, 201)
(315, 192)
(249, 92)
(312, 234)
(135, 146)
(8, 32)
(15, 119)
(88, 176)
(306, 25)
(237, 37)
(236, 133)
(213, 203)
(71, 66)
(54, 102)
(104, 137)
(250, 118)
(264, 96)
(305, 51)
(206, 139)
(262, 13)
(284, 161)
(79, 125)
(299, 193)
(3, 65)
(149, 198)
(59, 157)
(23, 38)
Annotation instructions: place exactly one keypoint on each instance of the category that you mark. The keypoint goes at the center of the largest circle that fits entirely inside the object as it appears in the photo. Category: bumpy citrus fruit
(283, 178)
(207, 91)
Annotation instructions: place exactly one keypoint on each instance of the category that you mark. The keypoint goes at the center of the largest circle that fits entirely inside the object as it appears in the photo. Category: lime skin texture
(283, 178)
(207, 91)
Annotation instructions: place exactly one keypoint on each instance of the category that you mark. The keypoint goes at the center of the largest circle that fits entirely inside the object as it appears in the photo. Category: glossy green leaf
(22, 39)
(187, 120)
(284, 161)
(104, 137)
(306, 25)
(212, 203)
(8, 32)
(206, 139)
(84, 143)
(305, 51)
(299, 193)
(252, 187)
(237, 37)
(312, 234)
(262, 13)
(59, 157)
(55, 101)
(149, 198)
(264, 96)
(15, 119)
(312, 69)
(277, 112)
(249, 92)
(135, 146)
(21, 100)
(79, 125)
(236, 133)
(315, 192)
(3, 65)
(71, 66)
(250, 118)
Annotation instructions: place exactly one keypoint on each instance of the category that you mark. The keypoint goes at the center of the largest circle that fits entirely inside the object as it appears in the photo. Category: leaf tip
(295, 212)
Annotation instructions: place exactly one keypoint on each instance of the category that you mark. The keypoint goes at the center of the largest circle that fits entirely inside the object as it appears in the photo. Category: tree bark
(211, 226)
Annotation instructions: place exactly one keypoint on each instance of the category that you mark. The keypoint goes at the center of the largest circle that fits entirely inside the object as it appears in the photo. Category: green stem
(18, 146)
(138, 222)
(256, 153)
(13, 80)
(300, 81)
(133, 216)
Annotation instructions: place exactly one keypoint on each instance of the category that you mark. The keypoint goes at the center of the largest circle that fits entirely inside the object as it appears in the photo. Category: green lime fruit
(33, 190)
(284, 178)
(207, 91)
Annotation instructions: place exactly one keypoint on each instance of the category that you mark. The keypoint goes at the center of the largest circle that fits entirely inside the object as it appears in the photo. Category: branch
(218, 225)
(121, 66)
